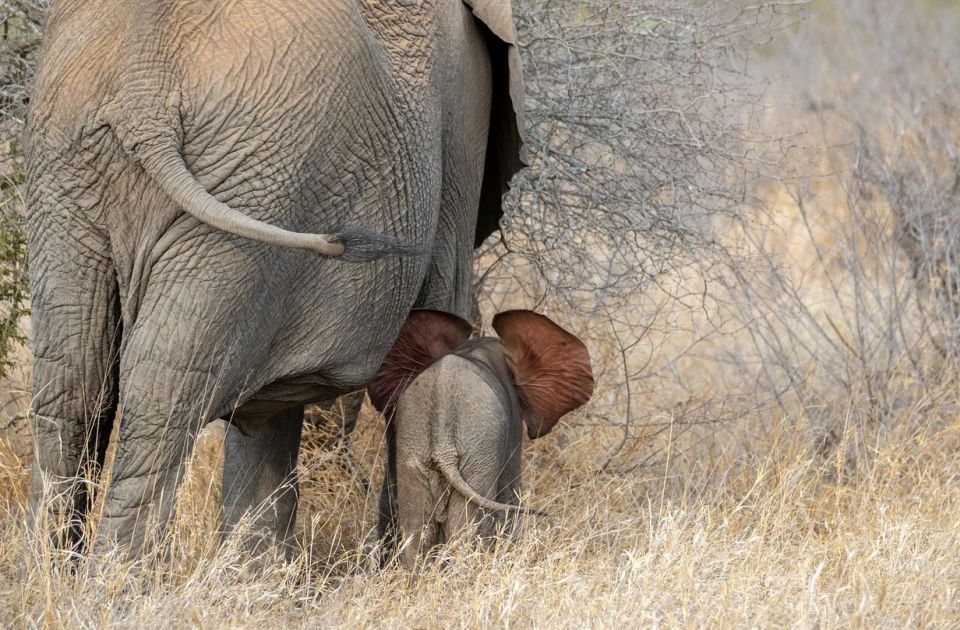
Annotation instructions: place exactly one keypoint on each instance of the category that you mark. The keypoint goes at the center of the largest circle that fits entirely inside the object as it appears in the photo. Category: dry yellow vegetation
(760, 531)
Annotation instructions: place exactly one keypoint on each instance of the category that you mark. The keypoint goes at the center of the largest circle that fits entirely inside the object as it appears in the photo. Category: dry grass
(763, 531)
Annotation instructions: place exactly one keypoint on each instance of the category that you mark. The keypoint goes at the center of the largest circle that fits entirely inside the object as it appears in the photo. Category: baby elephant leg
(417, 517)
(510, 482)
(464, 518)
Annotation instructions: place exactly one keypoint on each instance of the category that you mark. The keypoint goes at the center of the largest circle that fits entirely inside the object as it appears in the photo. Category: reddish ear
(425, 337)
(551, 368)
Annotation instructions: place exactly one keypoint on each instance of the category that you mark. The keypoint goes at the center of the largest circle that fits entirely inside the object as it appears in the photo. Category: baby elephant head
(550, 367)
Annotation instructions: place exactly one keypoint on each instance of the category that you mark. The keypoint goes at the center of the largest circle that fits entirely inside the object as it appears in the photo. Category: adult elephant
(194, 170)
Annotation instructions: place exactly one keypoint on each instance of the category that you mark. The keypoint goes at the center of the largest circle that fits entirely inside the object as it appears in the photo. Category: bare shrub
(638, 120)
(906, 110)
(846, 281)
(21, 23)
(641, 119)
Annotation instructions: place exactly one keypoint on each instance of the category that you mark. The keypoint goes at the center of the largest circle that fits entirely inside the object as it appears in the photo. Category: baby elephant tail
(456, 480)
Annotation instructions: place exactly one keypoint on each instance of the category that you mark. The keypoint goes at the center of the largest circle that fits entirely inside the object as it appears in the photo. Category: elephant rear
(451, 416)
(456, 410)
(175, 147)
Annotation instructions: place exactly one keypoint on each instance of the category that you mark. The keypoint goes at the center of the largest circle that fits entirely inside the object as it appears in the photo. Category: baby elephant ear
(551, 368)
(425, 337)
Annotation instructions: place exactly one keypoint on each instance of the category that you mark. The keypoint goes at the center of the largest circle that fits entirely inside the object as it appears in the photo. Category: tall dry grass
(760, 530)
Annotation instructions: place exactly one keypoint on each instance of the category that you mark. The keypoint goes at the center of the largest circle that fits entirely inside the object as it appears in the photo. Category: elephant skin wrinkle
(180, 157)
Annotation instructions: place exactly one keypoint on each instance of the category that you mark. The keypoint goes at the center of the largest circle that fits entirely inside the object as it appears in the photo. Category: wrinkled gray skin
(272, 477)
(305, 116)
(459, 442)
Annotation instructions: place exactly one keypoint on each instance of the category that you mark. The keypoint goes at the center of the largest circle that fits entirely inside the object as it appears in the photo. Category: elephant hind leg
(510, 481)
(387, 527)
(464, 518)
(260, 482)
(173, 381)
(163, 409)
(417, 507)
(191, 356)
(76, 337)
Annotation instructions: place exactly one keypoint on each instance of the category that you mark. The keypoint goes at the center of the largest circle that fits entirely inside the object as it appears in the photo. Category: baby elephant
(459, 405)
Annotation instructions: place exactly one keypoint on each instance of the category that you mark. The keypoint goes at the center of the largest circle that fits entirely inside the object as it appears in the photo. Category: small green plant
(20, 26)
(13, 290)
(14, 295)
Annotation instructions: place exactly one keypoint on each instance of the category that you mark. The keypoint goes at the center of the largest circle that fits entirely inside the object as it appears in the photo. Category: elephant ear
(505, 144)
(550, 366)
(425, 337)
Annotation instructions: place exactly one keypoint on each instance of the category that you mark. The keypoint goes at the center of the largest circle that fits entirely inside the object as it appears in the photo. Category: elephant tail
(458, 483)
(350, 243)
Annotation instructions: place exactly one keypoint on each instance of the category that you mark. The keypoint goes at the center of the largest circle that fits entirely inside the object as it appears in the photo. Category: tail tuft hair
(362, 244)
